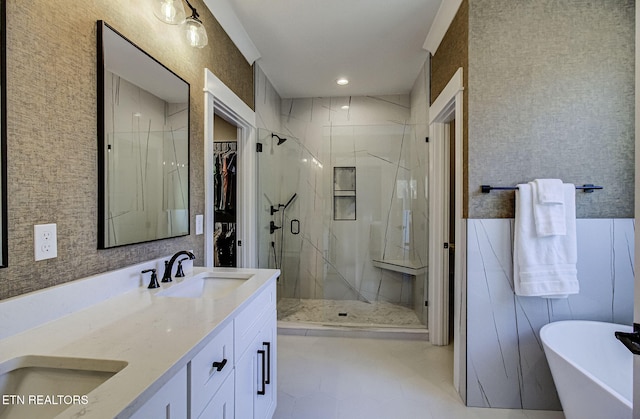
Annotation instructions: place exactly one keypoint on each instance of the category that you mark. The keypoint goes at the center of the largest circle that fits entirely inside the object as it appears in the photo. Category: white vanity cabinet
(256, 375)
(256, 360)
(222, 404)
(234, 375)
(209, 371)
(170, 402)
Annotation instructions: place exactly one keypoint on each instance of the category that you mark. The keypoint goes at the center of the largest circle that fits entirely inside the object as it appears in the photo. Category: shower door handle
(296, 229)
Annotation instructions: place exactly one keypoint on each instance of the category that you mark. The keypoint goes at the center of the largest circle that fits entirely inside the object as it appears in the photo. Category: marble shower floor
(358, 313)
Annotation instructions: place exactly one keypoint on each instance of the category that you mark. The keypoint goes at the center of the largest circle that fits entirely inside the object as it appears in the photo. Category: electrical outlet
(45, 241)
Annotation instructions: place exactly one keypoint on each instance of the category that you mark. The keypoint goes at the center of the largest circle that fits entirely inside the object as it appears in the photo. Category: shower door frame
(222, 101)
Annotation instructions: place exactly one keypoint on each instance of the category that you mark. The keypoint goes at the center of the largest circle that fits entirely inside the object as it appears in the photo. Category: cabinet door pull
(268, 345)
(220, 365)
(263, 391)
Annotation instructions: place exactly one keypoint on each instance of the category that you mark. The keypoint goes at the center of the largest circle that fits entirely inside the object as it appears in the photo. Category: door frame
(636, 305)
(222, 101)
(448, 106)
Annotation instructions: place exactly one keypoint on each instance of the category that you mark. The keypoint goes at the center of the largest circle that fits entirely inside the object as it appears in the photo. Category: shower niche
(344, 193)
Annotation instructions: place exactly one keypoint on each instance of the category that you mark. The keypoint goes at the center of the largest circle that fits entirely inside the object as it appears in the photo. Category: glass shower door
(279, 225)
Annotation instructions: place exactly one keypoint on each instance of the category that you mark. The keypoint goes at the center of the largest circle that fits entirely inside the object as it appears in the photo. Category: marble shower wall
(267, 102)
(506, 366)
(384, 192)
(374, 135)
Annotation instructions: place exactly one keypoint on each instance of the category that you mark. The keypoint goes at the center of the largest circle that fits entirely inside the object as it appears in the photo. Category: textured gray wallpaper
(51, 126)
(552, 96)
(452, 54)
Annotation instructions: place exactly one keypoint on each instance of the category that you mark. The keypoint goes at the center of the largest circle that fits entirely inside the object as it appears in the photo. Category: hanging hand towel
(550, 191)
(544, 266)
(548, 207)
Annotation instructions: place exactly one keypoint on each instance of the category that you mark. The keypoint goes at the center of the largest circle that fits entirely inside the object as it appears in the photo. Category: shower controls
(273, 227)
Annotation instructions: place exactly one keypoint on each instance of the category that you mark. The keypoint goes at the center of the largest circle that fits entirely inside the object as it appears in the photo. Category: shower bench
(410, 267)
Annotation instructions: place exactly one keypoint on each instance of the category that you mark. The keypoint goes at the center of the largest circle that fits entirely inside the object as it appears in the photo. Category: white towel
(549, 191)
(544, 266)
(548, 207)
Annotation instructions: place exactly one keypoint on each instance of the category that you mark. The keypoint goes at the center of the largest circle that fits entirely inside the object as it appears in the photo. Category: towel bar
(587, 188)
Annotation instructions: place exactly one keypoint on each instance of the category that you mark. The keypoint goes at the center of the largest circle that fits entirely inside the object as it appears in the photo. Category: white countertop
(156, 336)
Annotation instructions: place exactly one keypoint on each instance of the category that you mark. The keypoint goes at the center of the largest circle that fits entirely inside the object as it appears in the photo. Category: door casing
(222, 101)
(447, 107)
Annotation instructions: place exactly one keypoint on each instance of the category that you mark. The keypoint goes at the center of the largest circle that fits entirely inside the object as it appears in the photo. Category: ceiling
(306, 45)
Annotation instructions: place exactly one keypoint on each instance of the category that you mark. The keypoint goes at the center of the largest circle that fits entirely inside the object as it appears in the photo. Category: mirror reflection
(143, 145)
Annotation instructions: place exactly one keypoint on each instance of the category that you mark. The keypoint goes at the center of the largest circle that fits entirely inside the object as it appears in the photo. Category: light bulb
(195, 33)
(170, 11)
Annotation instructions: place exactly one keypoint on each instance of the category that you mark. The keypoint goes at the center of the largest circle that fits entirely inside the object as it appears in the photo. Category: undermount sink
(206, 286)
(42, 386)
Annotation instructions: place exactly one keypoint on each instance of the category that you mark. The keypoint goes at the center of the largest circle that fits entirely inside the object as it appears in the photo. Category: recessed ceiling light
(342, 81)
(345, 107)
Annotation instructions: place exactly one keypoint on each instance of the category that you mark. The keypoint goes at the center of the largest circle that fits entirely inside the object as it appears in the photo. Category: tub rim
(544, 331)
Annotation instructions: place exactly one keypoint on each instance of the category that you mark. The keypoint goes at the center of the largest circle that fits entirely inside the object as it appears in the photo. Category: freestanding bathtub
(592, 370)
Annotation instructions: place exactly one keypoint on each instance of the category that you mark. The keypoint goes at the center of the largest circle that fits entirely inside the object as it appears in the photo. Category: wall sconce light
(172, 12)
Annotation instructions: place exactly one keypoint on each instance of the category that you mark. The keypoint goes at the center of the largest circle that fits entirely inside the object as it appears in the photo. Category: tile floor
(352, 378)
(376, 314)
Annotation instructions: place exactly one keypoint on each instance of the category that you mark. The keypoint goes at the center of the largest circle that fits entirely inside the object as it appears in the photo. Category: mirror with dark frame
(4, 252)
(143, 145)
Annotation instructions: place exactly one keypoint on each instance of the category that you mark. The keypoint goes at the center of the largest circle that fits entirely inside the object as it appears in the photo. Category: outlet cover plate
(199, 224)
(45, 241)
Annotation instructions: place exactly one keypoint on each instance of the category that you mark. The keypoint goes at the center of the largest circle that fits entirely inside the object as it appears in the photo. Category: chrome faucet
(168, 265)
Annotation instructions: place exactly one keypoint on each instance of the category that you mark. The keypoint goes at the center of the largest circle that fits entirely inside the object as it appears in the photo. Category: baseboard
(359, 331)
